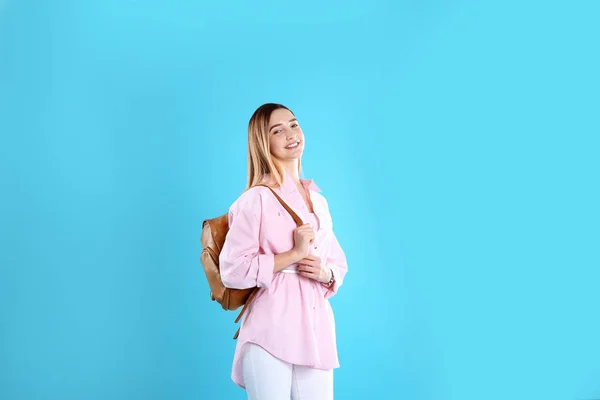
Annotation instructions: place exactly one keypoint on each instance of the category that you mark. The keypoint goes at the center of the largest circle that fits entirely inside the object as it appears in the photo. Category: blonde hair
(260, 160)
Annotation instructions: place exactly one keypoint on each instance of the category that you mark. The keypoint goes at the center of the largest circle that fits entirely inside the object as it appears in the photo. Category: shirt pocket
(278, 229)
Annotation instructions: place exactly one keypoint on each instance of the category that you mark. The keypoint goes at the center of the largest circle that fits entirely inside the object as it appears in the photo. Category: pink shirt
(290, 316)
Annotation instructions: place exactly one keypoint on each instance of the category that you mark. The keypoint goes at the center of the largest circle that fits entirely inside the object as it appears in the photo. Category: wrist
(295, 256)
(285, 259)
(330, 278)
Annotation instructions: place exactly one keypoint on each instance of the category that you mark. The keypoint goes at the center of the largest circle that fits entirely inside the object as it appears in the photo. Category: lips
(292, 145)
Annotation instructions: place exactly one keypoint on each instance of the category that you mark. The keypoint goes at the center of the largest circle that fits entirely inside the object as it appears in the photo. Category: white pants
(268, 378)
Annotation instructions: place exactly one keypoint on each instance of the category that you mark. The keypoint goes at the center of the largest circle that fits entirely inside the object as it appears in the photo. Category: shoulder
(251, 199)
(315, 191)
(317, 196)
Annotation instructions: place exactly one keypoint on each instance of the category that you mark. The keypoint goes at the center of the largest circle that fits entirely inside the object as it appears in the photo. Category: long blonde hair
(260, 160)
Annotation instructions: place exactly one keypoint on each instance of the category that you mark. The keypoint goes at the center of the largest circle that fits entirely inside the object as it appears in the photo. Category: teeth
(292, 145)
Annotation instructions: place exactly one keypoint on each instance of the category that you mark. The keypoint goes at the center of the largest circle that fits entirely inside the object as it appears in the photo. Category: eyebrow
(291, 120)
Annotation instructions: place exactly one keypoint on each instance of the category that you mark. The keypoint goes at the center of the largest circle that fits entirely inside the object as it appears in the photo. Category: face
(286, 137)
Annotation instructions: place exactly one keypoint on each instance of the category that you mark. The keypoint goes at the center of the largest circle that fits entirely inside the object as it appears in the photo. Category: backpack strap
(298, 222)
(295, 216)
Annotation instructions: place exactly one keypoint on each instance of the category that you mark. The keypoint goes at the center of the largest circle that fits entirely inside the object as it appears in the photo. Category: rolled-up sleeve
(241, 265)
(336, 260)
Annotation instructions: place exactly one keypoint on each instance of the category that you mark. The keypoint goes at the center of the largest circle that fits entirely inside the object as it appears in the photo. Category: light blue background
(457, 143)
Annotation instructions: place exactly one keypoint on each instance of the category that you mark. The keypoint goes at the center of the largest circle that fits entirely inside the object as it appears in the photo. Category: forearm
(285, 259)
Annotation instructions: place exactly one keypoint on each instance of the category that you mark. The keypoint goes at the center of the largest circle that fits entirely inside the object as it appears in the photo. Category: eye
(294, 125)
(276, 131)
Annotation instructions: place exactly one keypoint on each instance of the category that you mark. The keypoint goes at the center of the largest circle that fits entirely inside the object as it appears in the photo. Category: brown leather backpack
(214, 233)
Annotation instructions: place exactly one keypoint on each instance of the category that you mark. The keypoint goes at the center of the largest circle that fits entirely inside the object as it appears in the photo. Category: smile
(292, 145)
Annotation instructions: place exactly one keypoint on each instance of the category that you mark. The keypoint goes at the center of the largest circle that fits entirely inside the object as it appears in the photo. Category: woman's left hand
(312, 267)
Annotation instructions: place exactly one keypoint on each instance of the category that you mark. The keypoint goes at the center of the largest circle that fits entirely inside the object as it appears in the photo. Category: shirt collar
(310, 184)
(307, 183)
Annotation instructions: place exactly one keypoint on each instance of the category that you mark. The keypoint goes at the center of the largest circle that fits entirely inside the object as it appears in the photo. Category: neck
(291, 170)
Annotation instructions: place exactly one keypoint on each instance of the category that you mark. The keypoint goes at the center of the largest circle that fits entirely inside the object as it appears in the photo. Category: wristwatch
(331, 279)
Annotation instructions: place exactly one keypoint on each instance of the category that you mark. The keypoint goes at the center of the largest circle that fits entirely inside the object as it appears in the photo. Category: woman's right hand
(304, 235)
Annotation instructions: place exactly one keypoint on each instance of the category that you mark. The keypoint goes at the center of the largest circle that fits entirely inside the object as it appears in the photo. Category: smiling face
(275, 144)
(286, 138)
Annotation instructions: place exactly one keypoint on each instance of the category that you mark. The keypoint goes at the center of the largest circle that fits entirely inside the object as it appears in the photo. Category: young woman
(287, 343)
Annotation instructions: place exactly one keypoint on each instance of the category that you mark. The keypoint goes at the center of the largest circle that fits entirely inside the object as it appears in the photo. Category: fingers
(309, 268)
(312, 273)
(312, 261)
(309, 275)
(305, 228)
(309, 235)
(305, 234)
